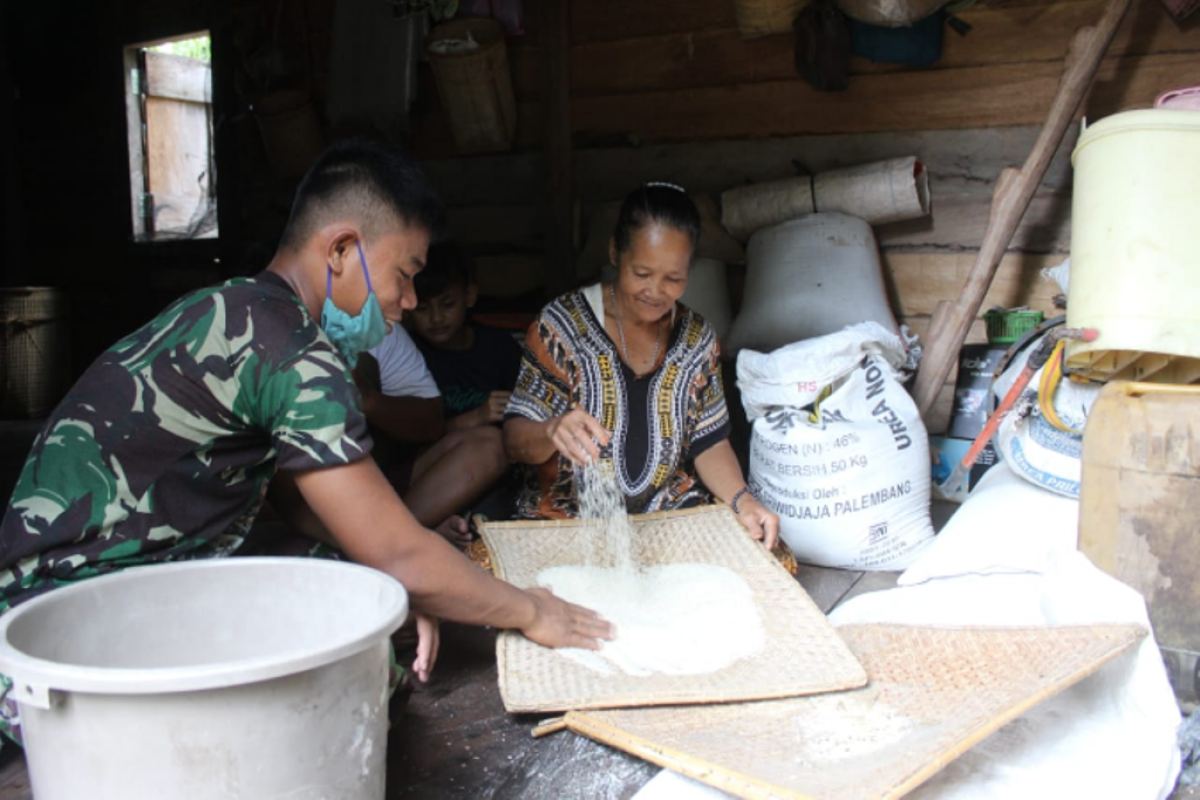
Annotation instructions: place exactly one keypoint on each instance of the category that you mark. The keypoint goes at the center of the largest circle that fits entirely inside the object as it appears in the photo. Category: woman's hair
(663, 203)
(371, 183)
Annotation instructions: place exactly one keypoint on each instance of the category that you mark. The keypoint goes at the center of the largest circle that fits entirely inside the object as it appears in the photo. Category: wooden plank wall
(668, 90)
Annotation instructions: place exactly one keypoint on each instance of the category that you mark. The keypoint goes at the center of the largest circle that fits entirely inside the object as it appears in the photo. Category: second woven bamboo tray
(934, 693)
(803, 653)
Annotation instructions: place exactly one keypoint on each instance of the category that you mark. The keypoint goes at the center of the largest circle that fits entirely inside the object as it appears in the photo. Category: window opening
(173, 181)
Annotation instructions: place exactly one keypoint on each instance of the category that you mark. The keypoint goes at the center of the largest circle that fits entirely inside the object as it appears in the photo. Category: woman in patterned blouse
(623, 371)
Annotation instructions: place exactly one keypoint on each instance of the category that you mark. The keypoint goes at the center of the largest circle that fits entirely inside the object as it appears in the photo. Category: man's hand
(428, 639)
(578, 436)
(557, 623)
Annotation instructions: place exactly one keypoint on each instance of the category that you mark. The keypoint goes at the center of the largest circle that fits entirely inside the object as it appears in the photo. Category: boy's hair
(365, 181)
(665, 204)
(445, 266)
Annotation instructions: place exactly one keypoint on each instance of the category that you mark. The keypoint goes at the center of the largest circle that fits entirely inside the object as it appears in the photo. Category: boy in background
(474, 368)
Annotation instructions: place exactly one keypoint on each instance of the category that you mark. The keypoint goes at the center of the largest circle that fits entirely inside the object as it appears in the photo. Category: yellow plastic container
(1135, 247)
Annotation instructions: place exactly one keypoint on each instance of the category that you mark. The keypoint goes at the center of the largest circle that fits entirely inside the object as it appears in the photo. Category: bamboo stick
(1014, 190)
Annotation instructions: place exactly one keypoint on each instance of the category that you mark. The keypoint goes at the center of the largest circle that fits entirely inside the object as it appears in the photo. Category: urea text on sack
(882, 412)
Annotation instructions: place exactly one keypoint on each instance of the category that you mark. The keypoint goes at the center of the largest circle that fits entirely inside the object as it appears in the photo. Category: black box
(972, 389)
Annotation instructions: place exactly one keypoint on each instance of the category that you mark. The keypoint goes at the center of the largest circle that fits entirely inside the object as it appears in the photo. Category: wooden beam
(958, 221)
(500, 228)
(697, 58)
(963, 161)
(1007, 94)
(556, 108)
(919, 281)
(986, 96)
(619, 19)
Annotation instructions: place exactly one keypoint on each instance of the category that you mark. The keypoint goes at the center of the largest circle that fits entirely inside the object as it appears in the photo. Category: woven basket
(764, 17)
(33, 351)
(476, 86)
(934, 693)
(803, 653)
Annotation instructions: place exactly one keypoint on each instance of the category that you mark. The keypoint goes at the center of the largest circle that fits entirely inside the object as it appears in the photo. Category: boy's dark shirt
(466, 377)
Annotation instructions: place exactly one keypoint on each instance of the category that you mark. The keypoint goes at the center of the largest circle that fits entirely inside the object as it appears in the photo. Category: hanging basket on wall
(889, 13)
(764, 17)
(474, 83)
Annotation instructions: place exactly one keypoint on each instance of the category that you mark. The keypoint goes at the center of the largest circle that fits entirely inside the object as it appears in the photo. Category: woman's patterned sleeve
(543, 390)
(711, 424)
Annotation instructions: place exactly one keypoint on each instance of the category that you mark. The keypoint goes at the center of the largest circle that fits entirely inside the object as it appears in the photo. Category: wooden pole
(1014, 189)
(559, 269)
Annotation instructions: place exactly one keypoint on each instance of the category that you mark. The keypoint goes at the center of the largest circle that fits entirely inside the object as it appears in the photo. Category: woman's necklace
(621, 333)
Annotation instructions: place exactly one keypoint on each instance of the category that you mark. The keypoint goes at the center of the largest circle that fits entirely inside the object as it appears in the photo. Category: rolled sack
(880, 192)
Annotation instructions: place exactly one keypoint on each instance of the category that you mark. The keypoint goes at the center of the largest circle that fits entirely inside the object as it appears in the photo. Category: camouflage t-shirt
(164, 448)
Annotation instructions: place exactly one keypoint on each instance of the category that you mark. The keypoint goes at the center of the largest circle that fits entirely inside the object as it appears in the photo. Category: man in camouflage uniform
(164, 448)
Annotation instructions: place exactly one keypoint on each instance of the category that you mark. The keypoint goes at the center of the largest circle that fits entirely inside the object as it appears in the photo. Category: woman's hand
(557, 623)
(578, 436)
(428, 639)
(762, 523)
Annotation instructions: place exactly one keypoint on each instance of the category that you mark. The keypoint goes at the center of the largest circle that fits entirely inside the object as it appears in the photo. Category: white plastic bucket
(1135, 248)
(228, 678)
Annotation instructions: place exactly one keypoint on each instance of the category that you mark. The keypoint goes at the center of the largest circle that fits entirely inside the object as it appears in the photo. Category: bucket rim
(34, 677)
(1142, 120)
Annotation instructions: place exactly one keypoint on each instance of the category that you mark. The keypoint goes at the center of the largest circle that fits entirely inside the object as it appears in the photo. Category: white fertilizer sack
(851, 487)
(1029, 444)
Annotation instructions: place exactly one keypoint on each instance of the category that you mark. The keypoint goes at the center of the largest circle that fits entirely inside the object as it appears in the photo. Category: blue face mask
(357, 334)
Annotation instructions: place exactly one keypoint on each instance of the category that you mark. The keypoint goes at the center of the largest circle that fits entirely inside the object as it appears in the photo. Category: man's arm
(285, 498)
(373, 527)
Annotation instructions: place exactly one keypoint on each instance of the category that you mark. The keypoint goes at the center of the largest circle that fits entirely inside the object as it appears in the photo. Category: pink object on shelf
(1186, 99)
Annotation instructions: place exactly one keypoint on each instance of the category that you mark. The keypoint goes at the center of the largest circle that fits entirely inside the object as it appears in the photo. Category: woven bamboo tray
(934, 693)
(803, 653)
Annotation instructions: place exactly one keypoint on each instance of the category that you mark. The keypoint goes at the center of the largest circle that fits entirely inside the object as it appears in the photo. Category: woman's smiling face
(652, 272)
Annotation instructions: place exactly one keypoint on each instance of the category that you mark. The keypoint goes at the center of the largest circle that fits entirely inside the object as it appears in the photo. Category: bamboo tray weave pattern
(934, 693)
(803, 653)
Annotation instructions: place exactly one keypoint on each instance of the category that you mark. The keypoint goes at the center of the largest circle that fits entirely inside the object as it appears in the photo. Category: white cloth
(402, 370)
(1110, 735)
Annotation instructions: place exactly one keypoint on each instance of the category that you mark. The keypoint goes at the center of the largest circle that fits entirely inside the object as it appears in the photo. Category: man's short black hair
(445, 266)
(368, 182)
